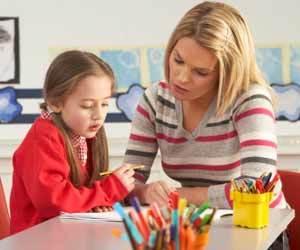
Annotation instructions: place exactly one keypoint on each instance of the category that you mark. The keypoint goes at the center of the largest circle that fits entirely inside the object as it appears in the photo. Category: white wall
(44, 24)
(126, 22)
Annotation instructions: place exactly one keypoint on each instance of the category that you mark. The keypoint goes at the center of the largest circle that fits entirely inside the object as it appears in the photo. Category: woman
(212, 119)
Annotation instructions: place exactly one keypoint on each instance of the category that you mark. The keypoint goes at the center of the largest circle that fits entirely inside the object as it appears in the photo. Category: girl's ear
(56, 108)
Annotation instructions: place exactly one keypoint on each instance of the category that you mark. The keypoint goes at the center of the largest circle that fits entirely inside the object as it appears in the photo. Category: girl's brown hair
(221, 29)
(62, 77)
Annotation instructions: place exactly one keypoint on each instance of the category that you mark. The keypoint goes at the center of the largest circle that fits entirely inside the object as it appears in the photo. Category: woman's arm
(255, 123)
(142, 149)
(142, 144)
(196, 195)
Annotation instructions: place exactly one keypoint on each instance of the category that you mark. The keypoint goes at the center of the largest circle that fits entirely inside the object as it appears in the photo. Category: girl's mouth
(94, 127)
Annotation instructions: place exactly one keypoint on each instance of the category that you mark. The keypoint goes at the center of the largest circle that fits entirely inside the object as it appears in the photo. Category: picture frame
(9, 50)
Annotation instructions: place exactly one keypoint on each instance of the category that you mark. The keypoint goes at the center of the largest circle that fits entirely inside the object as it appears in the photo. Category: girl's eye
(104, 104)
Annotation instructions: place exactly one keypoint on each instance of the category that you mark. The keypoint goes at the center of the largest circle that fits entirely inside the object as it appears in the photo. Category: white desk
(58, 234)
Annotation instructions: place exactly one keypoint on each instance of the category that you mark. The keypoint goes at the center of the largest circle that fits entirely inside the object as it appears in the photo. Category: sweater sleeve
(142, 145)
(254, 120)
(45, 173)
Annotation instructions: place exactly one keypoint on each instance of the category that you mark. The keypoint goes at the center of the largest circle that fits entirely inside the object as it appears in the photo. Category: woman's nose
(183, 75)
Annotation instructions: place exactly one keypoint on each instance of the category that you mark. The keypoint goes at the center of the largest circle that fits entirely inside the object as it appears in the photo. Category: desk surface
(66, 234)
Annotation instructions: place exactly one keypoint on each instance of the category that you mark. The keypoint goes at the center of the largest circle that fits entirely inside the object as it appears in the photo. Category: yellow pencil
(132, 167)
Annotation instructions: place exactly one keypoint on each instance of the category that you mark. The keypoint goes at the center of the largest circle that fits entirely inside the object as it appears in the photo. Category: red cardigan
(41, 187)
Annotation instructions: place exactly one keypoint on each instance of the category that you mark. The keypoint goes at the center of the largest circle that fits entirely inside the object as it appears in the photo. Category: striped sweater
(241, 143)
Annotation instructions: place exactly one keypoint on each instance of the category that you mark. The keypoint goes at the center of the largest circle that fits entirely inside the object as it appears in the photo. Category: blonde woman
(212, 118)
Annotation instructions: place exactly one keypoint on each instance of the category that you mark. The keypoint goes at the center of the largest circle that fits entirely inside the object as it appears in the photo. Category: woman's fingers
(158, 192)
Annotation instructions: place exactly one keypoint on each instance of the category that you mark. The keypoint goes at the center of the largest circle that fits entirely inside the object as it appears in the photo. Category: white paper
(113, 216)
(104, 216)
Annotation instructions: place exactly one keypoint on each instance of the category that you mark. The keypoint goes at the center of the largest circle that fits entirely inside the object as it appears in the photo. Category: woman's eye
(178, 61)
(104, 104)
(86, 107)
(201, 73)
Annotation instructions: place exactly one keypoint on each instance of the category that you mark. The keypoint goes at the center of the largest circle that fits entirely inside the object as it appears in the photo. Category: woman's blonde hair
(62, 77)
(221, 29)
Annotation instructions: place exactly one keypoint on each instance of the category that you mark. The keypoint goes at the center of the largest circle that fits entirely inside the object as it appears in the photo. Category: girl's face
(85, 109)
(193, 71)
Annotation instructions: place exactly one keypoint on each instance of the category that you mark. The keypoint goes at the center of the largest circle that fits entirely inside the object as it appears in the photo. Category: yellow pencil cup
(251, 210)
(201, 241)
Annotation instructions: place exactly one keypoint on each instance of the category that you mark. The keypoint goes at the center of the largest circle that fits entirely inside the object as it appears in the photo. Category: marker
(266, 179)
(157, 215)
(137, 207)
(132, 228)
(133, 215)
(190, 210)
(273, 183)
(181, 208)
(132, 167)
(204, 206)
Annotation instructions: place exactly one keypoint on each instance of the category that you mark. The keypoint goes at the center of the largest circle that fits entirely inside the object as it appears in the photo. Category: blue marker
(135, 233)
(204, 206)
(175, 222)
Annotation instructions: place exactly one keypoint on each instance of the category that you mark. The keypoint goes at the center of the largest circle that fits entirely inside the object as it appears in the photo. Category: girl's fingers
(97, 209)
(124, 168)
(129, 173)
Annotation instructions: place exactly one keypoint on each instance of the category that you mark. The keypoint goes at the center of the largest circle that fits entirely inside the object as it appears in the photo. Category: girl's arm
(44, 171)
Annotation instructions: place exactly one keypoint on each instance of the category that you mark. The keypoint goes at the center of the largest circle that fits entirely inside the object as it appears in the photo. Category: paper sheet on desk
(115, 217)
(105, 216)
(219, 214)
(112, 216)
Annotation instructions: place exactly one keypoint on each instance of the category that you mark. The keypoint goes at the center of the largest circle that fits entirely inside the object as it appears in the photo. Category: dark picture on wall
(9, 50)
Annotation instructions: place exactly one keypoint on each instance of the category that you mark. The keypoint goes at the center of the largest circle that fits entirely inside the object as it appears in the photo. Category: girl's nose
(97, 113)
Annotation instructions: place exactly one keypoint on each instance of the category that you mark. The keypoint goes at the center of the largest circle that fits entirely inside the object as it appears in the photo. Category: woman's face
(193, 71)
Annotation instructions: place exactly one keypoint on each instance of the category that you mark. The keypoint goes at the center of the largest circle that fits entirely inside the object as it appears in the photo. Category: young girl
(56, 168)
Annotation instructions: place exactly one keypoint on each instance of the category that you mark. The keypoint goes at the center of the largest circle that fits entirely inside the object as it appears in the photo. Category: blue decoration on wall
(270, 62)
(155, 61)
(288, 97)
(295, 64)
(128, 102)
(9, 107)
(125, 64)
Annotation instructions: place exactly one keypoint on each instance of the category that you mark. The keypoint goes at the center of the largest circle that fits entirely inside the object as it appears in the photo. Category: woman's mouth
(180, 90)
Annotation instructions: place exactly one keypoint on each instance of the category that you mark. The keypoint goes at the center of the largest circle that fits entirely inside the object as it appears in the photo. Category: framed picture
(9, 50)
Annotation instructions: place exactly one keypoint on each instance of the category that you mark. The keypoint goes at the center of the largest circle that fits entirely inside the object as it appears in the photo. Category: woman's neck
(200, 104)
(194, 111)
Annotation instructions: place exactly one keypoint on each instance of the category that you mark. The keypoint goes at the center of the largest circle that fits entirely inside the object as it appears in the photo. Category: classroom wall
(82, 24)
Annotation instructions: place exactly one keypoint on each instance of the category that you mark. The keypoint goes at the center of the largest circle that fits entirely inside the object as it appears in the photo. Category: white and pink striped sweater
(241, 143)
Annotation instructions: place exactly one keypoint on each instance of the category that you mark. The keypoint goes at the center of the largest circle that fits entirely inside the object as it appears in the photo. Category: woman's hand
(158, 192)
(125, 175)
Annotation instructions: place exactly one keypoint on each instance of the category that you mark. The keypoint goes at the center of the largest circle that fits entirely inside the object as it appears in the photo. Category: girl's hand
(101, 209)
(125, 175)
(158, 192)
